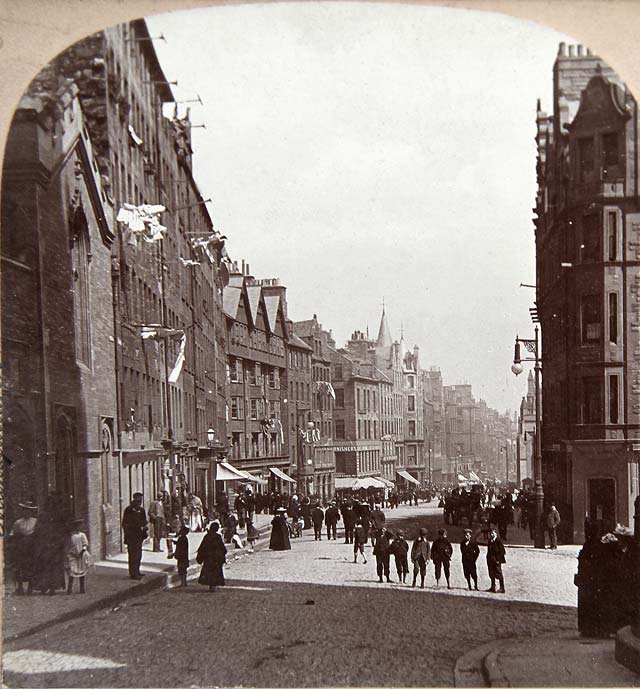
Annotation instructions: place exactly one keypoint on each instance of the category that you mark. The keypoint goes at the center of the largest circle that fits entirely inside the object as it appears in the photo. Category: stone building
(433, 403)
(320, 436)
(587, 229)
(59, 401)
(525, 438)
(255, 312)
(162, 303)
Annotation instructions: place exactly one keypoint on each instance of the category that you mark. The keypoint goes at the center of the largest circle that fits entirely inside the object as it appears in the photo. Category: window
(412, 382)
(375, 430)
(236, 408)
(610, 152)
(80, 257)
(411, 403)
(591, 318)
(591, 401)
(613, 399)
(339, 429)
(337, 372)
(359, 430)
(359, 400)
(585, 156)
(272, 378)
(255, 444)
(235, 371)
(591, 232)
(612, 227)
(254, 409)
(613, 317)
(339, 398)
(235, 442)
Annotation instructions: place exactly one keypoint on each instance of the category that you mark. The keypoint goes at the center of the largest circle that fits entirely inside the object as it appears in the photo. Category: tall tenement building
(118, 380)
(588, 292)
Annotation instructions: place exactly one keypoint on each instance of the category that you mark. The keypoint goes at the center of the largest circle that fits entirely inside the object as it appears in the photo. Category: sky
(376, 152)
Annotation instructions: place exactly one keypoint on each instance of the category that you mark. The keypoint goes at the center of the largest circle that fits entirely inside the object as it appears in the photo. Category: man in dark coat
(134, 525)
(349, 520)
(495, 560)
(470, 552)
(331, 517)
(420, 554)
(317, 517)
(441, 552)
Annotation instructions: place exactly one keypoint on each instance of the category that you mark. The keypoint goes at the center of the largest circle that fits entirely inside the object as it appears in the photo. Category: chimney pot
(579, 49)
(571, 50)
(562, 48)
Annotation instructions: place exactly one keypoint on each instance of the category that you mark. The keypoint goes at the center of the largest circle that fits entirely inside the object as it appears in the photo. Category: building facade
(587, 236)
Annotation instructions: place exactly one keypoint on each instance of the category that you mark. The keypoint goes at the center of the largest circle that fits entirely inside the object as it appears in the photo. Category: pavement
(541, 647)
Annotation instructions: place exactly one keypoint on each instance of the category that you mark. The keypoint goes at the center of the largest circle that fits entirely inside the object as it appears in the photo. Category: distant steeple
(531, 385)
(384, 334)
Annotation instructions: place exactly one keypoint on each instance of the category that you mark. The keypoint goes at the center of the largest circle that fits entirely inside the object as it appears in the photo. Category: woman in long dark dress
(212, 554)
(50, 540)
(280, 531)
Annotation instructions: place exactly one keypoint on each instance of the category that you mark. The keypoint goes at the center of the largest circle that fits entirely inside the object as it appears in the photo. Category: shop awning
(225, 472)
(389, 484)
(368, 482)
(407, 476)
(253, 478)
(474, 477)
(345, 483)
(462, 478)
(280, 474)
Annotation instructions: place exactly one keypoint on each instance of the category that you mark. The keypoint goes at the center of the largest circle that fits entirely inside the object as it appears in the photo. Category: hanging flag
(188, 261)
(278, 425)
(134, 137)
(203, 245)
(331, 391)
(177, 367)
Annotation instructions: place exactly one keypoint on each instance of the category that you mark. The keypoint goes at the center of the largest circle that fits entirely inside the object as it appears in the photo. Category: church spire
(384, 334)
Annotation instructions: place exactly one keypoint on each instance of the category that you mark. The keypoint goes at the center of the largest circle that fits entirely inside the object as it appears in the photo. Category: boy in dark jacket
(359, 541)
(400, 550)
(470, 551)
(182, 554)
(317, 517)
(441, 552)
(495, 560)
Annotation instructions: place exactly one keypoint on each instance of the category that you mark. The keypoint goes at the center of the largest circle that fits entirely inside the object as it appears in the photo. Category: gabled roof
(231, 300)
(253, 295)
(272, 304)
(295, 341)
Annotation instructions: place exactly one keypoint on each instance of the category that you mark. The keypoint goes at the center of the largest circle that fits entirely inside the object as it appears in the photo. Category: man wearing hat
(331, 517)
(134, 525)
(420, 555)
(22, 545)
(495, 560)
(441, 552)
(470, 552)
(553, 522)
(317, 517)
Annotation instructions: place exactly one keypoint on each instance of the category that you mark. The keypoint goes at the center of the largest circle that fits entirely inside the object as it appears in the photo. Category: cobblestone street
(305, 617)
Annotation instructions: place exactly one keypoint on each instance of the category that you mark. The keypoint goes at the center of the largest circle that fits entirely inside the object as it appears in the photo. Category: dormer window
(610, 151)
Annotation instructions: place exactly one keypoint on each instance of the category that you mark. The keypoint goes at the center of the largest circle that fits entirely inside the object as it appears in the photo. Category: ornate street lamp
(517, 368)
(211, 439)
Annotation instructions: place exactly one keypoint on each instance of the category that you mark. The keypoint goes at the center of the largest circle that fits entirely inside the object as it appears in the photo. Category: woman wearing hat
(280, 531)
(212, 554)
(21, 542)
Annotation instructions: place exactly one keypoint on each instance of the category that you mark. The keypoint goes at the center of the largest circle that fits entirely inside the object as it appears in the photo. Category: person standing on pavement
(182, 555)
(441, 552)
(212, 555)
(349, 521)
(134, 525)
(78, 556)
(495, 560)
(381, 551)
(400, 550)
(470, 552)
(280, 531)
(317, 517)
(420, 555)
(158, 521)
(22, 547)
(553, 522)
(359, 541)
(331, 518)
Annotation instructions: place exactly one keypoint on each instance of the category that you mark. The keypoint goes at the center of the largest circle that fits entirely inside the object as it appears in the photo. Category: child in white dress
(78, 556)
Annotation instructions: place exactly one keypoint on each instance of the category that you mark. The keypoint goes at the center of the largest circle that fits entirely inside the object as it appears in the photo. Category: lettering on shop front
(634, 322)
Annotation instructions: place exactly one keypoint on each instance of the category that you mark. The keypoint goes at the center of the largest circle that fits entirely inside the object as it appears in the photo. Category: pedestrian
(331, 518)
(78, 556)
(134, 525)
(223, 503)
(441, 552)
(240, 506)
(381, 551)
(359, 541)
(317, 517)
(420, 555)
(250, 501)
(553, 522)
(349, 521)
(182, 554)
(229, 526)
(470, 551)
(158, 521)
(252, 535)
(495, 560)
(280, 531)
(50, 542)
(22, 547)
(400, 549)
(196, 516)
(212, 555)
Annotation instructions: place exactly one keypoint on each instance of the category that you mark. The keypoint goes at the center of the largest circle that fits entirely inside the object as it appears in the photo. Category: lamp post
(429, 464)
(532, 347)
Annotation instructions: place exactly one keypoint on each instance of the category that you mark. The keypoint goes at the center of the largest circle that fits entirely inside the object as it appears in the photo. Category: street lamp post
(532, 347)
(211, 438)
(430, 483)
